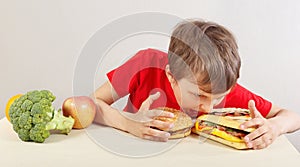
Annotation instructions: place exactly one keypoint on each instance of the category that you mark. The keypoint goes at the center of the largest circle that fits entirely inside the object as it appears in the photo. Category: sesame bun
(182, 123)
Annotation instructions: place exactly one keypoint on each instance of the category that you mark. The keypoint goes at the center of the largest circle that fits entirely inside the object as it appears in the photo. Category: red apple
(81, 108)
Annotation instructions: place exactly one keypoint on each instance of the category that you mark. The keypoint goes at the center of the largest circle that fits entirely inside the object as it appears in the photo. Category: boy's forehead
(193, 87)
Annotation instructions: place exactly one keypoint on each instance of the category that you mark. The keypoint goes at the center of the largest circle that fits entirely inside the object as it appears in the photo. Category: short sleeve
(240, 96)
(124, 78)
(127, 78)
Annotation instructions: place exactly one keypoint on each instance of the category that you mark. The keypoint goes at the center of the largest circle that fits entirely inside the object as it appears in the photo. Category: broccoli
(34, 118)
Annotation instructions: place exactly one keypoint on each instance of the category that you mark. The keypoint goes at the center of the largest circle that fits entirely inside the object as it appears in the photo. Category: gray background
(40, 42)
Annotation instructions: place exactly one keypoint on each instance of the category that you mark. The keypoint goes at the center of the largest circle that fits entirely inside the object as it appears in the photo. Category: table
(80, 148)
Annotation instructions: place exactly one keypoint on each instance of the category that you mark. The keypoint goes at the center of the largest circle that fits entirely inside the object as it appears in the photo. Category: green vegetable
(34, 118)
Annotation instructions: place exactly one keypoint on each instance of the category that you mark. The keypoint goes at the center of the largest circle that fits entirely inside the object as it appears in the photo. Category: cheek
(189, 102)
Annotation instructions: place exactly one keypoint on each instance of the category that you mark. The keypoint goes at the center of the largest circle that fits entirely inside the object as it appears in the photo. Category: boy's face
(192, 99)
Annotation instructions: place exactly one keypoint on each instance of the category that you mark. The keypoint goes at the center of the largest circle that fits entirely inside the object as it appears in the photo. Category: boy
(199, 72)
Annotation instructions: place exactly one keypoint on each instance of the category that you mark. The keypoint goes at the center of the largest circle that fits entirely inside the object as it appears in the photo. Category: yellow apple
(81, 108)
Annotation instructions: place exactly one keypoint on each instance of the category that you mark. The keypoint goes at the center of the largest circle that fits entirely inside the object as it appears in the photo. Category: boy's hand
(265, 133)
(143, 124)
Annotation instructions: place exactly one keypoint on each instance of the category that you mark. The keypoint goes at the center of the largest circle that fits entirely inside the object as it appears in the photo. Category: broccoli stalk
(33, 116)
(60, 123)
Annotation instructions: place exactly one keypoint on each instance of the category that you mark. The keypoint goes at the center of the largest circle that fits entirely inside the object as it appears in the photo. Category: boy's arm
(104, 96)
(287, 121)
(137, 124)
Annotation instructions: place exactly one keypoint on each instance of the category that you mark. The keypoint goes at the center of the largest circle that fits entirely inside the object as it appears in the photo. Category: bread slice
(225, 121)
(181, 135)
(231, 118)
(236, 145)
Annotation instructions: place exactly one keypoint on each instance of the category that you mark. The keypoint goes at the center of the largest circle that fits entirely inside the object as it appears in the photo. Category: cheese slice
(218, 133)
(225, 135)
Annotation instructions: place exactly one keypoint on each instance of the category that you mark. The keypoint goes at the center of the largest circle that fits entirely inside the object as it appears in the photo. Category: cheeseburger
(182, 123)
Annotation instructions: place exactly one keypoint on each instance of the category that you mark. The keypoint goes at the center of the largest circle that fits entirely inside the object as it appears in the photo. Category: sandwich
(222, 125)
(182, 123)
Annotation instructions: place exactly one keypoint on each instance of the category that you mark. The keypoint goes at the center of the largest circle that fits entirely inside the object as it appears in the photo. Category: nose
(206, 106)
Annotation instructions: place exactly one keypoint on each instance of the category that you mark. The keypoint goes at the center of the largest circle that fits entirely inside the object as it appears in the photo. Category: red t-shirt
(144, 74)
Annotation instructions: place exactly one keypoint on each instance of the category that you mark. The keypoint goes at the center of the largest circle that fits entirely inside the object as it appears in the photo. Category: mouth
(192, 113)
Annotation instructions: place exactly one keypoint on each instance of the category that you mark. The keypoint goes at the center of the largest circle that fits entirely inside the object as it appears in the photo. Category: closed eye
(199, 95)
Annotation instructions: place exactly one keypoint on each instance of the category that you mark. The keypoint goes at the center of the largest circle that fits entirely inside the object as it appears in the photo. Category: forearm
(109, 116)
(139, 124)
(286, 121)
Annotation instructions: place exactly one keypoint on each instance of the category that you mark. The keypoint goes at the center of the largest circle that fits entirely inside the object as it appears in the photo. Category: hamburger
(223, 126)
(182, 123)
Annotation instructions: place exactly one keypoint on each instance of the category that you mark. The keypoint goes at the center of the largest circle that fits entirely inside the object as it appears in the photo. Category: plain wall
(40, 42)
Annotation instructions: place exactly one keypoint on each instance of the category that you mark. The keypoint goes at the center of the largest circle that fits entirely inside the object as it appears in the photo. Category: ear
(169, 75)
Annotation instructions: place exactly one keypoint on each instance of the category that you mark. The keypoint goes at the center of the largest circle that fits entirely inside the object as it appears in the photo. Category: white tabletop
(104, 146)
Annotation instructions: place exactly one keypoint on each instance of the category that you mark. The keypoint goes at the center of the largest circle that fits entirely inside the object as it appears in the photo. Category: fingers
(253, 123)
(160, 124)
(150, 130)
(263, 136)
(254, 139)
(147, 103)
(147, 116)
(254, 113)
(156, 135)
(259, 139)
(260, 143)
(251, 106)
(150, 133)
(155, 113)
(147, 124)
(257, 119)
(256, 134)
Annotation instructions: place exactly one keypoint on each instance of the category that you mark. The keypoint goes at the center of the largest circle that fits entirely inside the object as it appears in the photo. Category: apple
(81, 108)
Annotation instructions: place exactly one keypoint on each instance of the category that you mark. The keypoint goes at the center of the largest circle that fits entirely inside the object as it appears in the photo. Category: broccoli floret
(33, 116)
(25, 121)
(24, 134)
(39, 133)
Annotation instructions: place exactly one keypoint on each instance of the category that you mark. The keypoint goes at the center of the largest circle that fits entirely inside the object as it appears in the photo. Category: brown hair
(206, 52)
